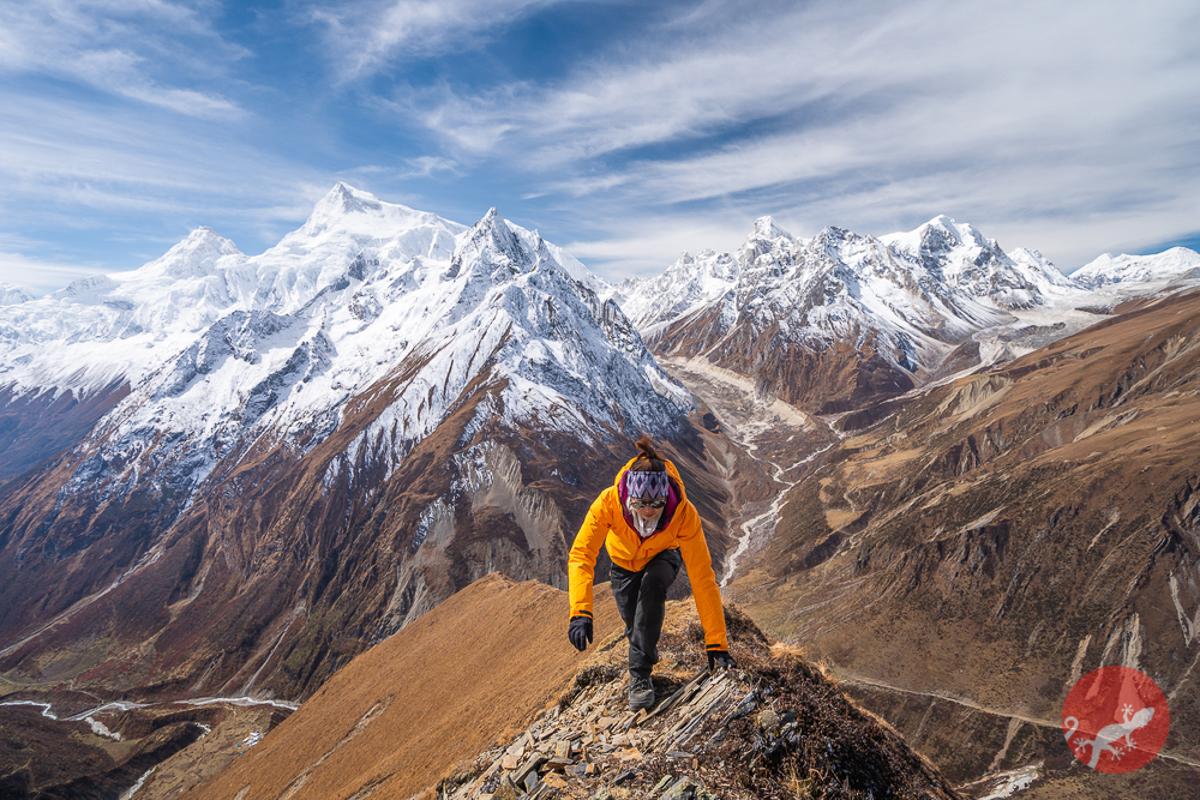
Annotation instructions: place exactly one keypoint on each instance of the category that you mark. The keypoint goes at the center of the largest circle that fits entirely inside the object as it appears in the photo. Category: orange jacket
(605, 524)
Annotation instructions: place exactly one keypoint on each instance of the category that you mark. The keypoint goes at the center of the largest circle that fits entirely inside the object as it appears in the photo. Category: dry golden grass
(401, 715)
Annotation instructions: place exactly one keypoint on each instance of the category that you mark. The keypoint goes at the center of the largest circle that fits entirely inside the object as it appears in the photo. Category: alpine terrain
(240, 485)
(984, 479)
(233, 473)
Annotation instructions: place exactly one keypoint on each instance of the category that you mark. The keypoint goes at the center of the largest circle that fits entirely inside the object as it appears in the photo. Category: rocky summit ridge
(773, 727)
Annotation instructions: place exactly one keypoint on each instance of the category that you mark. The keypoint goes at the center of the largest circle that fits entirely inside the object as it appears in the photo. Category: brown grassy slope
(483, 670)
(995, 537)
(401, 714)
(773, 728)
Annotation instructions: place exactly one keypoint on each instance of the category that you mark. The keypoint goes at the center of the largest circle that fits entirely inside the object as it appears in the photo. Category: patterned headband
(646, 484)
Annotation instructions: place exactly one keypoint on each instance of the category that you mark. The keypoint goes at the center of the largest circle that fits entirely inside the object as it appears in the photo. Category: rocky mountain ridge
(963, 554)
(770, 728)
(371, 409)
(841, 319)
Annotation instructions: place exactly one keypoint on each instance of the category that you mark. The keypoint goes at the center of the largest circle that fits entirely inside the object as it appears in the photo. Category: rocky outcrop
(769, 728)
(548, 722)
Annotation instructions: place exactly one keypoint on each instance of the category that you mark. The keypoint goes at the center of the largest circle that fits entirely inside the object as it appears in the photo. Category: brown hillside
(398, 716)
(967, 552)
(469, 688)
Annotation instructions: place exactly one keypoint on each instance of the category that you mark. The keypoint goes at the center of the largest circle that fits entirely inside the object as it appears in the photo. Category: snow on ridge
(544, 334)
(689, 283)
(277, 345)
(922, 291)
(122, 325)
(834, 284)
(1108, 270)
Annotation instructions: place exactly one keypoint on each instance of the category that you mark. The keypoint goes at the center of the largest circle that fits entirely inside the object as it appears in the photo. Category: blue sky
(625, 131)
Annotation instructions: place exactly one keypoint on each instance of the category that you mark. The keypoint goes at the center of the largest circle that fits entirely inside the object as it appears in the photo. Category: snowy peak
(961, 257)
(492, 232)
(1040, 269)
(688, 284)
(205, 239)
(344, 199)
(491, 246)
(767, 243)
(194, 256)
(11, 295)
(765, 228)
(346, 210)
(1173, 264)
(964, 255)
(960, 233)
(939, 236)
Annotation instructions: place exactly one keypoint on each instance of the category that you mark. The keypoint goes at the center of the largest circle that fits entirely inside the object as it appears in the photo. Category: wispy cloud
(412, 167)
(114, 189)
(38, 276)
(123, 48)
(81, 154)
(364, 37)
(1028, 117)
(659, 128)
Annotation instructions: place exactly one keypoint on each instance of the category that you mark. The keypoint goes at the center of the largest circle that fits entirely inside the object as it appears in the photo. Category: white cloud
(40, 276)
(364, 37)
(424, 166)
(412, 167)
(132, 49)
(1071, 129)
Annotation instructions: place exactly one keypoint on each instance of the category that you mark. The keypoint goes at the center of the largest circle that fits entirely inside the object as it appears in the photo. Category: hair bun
(649, 459)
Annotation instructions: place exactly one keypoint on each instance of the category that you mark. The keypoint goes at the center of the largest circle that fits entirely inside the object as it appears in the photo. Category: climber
(649, 528)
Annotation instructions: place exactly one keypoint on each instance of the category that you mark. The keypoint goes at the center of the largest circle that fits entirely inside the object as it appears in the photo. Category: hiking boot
(641, 691)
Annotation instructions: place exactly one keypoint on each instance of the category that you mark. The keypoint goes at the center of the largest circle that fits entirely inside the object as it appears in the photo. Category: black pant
(641, 598)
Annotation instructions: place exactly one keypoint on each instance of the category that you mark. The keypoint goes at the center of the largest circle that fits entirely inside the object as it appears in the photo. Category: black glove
(580, 632)
(721, 659)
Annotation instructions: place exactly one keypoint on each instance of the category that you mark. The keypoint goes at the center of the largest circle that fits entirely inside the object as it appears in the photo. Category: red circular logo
(1115, 719)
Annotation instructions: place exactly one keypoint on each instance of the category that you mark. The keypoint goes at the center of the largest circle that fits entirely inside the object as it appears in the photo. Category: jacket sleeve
(705, 590)
(581, 563)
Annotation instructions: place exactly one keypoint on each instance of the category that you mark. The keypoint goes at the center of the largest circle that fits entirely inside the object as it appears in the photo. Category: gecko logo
(1115, 719)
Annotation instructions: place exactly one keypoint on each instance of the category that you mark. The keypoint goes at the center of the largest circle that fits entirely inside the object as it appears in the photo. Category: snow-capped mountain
(841, 318)
(689, 283)
(11, 295)
(379, 366)
(1126, 271)
(869, 315)
(288, 338)
(964, 259)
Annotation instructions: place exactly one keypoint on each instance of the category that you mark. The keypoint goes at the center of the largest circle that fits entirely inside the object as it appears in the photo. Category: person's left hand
(720, 659)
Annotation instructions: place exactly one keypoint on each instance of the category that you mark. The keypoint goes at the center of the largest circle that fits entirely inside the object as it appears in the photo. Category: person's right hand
(580, 632)
(720, 659)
